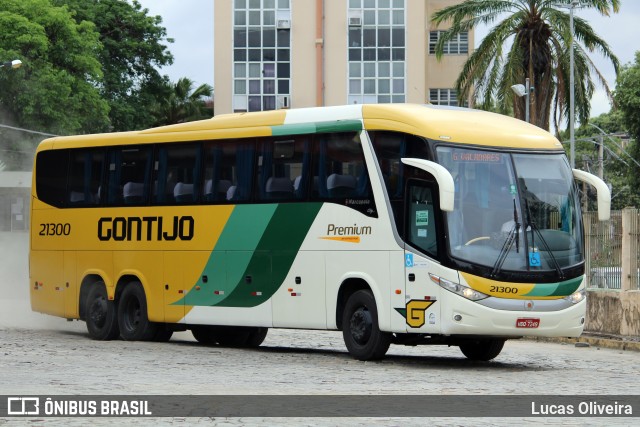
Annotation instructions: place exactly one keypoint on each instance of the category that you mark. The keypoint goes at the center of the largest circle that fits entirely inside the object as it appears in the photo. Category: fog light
(457, 318)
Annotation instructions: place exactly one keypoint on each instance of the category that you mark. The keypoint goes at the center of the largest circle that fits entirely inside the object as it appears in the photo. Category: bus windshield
(513, 212)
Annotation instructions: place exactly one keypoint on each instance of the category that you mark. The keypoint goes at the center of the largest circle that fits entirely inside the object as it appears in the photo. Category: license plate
(527, 323)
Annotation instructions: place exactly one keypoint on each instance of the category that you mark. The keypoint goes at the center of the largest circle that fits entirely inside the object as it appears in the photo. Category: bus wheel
(132, 315)
(163, 334)
(360, 329)
(233, 336)
(256, 337)
(483, 350)
(204, 334)
(101, 316)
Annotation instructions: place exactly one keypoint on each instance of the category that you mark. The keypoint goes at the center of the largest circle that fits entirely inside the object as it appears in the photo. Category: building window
(376, 51)
(445, 97)
(261, 54)
(459, 45)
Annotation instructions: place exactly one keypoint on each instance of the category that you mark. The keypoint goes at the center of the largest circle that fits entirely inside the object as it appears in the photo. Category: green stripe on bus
(555, 289)
(231, 255)
(339, 126)
(274, 255)
(318, 127)
(253, 255)
(295, 129)
(245, 226)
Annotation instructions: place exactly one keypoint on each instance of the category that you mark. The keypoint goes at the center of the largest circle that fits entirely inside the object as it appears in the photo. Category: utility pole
(601, 156)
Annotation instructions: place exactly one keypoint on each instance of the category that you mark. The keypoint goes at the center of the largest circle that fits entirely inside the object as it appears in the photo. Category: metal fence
(605, 248)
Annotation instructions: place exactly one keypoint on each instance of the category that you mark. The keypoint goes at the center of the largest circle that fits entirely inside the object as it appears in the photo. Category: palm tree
(533, 40)
(184, 104)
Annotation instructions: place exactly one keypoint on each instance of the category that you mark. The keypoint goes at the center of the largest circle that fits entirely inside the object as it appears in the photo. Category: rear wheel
(483, 350)
(101, 314)
(360, 330)
(132, 315)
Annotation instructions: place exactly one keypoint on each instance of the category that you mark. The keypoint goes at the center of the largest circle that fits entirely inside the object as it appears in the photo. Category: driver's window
(421, 221)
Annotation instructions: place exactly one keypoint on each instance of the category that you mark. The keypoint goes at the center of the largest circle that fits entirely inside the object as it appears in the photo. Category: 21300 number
(503, 290)
(53, 229)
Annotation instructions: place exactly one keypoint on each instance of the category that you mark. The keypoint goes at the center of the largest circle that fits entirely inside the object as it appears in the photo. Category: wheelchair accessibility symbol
(408, 260)
(534, 259)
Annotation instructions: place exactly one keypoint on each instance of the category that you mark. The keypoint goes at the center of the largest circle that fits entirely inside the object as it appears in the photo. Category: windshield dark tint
(515, 212)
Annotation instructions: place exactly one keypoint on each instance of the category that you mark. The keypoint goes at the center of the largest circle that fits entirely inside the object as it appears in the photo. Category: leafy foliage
(627, 97)
(183, 104)
(55, 90)
(533, 40)
(132, 51)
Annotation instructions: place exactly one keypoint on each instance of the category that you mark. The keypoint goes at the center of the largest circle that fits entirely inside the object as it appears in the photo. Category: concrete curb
(595, 341)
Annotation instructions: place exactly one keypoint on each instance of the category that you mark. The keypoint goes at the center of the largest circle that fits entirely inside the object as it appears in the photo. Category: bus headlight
(577, 296)
(456, 288)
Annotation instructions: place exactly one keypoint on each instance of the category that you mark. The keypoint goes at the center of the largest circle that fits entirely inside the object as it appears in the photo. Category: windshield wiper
(513, 236)
(534, 228)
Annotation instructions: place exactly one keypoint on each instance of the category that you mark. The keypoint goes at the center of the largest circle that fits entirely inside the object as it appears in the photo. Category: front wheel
(360, 330)
(482, 350)
(132, 315)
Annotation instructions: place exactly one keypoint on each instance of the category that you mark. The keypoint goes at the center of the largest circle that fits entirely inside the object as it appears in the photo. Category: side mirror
(443, 178)
(604, 194)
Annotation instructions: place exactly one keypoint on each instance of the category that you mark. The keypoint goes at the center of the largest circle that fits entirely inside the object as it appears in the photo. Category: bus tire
(132, 315)
(256, 337)
(482, 350)
(360, 330)
(232, 336)
(101, 314)
(163, 334)
(204, 335)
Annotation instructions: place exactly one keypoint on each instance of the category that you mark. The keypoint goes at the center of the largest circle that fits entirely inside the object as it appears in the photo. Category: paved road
(63, 360)
(45, 355)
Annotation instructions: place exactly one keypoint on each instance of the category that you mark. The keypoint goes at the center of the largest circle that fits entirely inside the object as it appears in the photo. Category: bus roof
(449, 124)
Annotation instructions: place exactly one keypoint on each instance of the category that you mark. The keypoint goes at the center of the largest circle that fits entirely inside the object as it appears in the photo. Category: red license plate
(527, 323)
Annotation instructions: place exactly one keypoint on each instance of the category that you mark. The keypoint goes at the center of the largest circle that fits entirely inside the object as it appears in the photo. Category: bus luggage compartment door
(46, 287)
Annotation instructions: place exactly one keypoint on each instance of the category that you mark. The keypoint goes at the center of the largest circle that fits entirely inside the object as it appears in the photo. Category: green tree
(133, 49)
(618, 166)
(55, 90)
(540, 49)
(627, 98)
(184, 104)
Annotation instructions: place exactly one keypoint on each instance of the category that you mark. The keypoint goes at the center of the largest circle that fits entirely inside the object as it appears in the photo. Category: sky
(190, 23)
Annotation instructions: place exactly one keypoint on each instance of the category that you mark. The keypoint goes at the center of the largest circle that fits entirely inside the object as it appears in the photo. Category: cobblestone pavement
(44, 355)
(63, 360)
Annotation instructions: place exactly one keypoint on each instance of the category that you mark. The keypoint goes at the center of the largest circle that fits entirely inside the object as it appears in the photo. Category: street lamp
(16, 63)
(524, 90)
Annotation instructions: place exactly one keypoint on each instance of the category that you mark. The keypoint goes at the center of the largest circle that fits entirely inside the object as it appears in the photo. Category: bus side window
(228, 171)
(421, 221)
(51, 177)
(284, 168)
(340, 167)
(177, 170)
(129, 175)
(85, 175)
(390, 147)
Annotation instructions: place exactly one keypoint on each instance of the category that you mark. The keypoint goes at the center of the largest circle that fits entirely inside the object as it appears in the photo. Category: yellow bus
(403, 224)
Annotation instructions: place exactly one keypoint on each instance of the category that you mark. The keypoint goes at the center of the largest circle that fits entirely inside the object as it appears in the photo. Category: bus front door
(422, 294)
